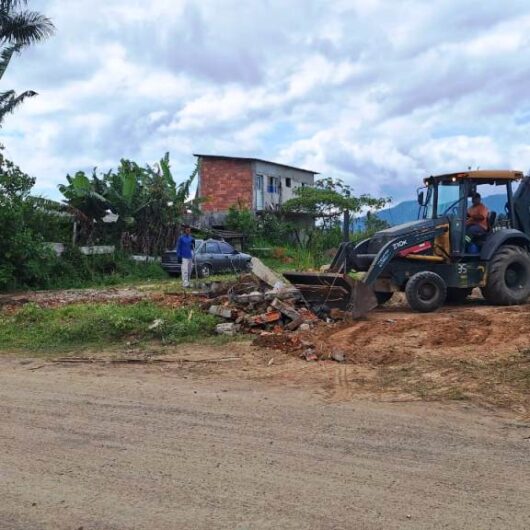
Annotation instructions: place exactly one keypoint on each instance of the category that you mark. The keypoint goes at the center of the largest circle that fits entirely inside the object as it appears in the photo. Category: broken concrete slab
(265, 274)
(229, 328)
(285, 293)
(253, 297)
(288, 310)
(222, 311)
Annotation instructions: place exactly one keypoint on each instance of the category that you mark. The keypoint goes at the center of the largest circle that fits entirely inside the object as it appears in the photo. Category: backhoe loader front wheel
(426, 291)
(508, 277)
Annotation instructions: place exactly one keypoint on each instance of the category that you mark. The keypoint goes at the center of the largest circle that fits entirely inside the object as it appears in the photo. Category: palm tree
(18, 28)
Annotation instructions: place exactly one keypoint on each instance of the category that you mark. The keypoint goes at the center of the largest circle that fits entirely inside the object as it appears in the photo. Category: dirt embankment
(470, 352)
(472, 330)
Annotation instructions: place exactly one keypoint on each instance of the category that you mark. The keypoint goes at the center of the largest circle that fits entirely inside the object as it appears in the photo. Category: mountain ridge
(407, 211)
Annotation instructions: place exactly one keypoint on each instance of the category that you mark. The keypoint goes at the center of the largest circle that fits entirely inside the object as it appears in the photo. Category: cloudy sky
(377, 92)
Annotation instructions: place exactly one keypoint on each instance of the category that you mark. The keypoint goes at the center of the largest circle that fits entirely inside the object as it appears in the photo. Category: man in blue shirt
(185, 246)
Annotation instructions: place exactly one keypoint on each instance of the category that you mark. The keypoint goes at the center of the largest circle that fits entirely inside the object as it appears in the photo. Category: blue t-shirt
(185, 245)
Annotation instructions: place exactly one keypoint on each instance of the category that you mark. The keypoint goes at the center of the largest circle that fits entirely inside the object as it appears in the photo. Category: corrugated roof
(255, 160)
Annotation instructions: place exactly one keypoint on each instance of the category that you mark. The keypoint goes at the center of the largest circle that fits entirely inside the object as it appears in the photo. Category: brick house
(257, 184)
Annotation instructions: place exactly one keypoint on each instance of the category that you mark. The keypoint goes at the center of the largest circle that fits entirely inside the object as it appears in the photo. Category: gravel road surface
(139, 447)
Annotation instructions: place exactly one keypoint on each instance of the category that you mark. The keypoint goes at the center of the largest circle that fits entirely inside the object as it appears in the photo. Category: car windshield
(448, 197)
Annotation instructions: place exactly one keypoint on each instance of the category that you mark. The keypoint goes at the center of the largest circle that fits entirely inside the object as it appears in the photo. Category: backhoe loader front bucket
(334, 290)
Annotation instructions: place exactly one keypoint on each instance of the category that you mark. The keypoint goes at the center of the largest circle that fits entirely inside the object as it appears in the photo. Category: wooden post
(74, 234)
(346, 226)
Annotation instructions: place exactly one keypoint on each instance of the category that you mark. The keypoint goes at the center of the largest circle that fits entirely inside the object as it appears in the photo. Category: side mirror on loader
(421, 198)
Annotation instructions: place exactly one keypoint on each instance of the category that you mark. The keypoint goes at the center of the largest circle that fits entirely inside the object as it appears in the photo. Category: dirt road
(150, 448)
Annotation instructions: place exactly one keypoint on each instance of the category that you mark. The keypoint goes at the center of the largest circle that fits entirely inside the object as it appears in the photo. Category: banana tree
(158, 220)
(124, 195)
(86, 197)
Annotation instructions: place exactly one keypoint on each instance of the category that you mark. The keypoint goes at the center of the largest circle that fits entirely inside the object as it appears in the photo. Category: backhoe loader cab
(449, 196)
(435, 258)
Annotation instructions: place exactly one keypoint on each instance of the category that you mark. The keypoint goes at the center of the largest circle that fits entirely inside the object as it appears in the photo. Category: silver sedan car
(211, 256)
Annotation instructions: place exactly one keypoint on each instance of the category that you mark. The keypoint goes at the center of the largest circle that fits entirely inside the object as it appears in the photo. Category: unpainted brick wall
(224, 183)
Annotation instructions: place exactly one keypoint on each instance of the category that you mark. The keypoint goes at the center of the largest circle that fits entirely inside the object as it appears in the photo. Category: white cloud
(376, 92)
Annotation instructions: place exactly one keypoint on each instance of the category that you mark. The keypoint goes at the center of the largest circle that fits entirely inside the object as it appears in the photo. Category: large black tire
(456, 295)
(383, 297)
(508, 280)
(426, 291)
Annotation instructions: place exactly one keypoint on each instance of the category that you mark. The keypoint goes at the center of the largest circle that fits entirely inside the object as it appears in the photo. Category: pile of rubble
(256, 307)
(262, 304)
(259, 301)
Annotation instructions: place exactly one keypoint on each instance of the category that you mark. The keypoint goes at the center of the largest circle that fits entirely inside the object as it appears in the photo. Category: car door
(198, 253)
(231, 257)
(212, 255)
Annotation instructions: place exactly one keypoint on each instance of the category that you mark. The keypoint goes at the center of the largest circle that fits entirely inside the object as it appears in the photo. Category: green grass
(82, 325)
(119, 272)
(295, 259)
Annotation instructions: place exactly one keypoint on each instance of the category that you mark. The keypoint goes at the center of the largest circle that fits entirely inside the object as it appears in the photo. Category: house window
(274, 185)
(258, 192)
(287, 182)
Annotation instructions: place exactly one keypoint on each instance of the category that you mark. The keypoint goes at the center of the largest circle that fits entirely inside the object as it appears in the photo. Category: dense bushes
(44, 270)
(75, 270)
(149, 195)
(268, 226)
(22, 253)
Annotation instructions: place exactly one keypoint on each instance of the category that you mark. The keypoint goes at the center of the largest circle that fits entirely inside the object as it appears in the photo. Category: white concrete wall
(298, 178)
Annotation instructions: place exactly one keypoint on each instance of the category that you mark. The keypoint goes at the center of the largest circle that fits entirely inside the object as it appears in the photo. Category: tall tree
(327, 200)
(19, 28)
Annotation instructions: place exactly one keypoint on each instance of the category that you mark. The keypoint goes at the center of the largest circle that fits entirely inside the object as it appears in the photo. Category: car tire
(204, 270)
(426, 291)
(508, 277)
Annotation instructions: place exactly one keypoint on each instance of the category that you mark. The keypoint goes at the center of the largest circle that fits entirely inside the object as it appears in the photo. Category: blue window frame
(273, 186)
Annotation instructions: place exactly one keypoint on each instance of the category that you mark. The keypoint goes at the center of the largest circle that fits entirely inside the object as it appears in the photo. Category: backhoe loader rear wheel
(508, 280)
(426, 291)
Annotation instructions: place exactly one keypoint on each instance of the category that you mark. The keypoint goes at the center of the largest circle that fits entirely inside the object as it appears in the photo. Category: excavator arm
(337, 289)
(396, 246)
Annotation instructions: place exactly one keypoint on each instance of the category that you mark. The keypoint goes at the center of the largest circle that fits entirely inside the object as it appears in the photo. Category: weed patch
(33, 328)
